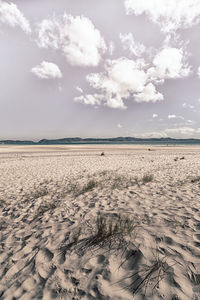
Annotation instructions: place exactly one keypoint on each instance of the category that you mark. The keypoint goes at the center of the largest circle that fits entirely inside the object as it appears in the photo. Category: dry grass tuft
(88, 187)
(108, 227)
(151, 275)
(110, 232)
(147, 178)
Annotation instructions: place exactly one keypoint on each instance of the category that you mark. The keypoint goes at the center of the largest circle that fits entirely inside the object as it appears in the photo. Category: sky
(90, 68)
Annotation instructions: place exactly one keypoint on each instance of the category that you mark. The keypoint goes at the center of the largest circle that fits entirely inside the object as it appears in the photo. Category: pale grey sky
(104, 68)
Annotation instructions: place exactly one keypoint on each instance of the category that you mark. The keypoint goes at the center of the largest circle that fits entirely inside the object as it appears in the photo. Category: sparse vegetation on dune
(195, 179)
(104, 180)
(109, 231)
(150, 276)
(90, 185)
(47, 206)
(109, 226)
(147, 178)
(2, 203)
(110, 235)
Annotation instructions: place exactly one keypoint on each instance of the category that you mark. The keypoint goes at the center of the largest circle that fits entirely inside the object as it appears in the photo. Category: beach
(100, 222)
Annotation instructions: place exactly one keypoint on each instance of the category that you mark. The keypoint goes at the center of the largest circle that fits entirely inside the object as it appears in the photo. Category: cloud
(175, 117)
(155, 116)
(190, 121)
(148, 94)
(184, 132)
(179, 132)
(121, 80)
(12, 16)
(47, 70)
(150, 135)
(186, 105)
(119, 125)
(125, 79)
(94, 99)
(172, 116)
(79, 89)
(130, 44)
(170, 15)
(169, 63)
(198, 72)
(111, 48)
(77, 38)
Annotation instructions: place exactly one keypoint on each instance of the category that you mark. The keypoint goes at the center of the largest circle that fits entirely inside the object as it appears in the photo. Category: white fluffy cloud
(136, 79)
(94, 99)
(169, 63)
(11, 15)
(125, 78)
(148, 94)
(129, 43)
(121, 80)
(77, 38)
(168, 14)
(47, 70)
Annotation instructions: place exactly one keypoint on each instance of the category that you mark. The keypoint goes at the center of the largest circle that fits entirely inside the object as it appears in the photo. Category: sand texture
(78, 225)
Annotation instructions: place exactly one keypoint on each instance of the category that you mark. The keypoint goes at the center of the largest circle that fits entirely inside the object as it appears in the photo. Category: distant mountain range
(117, 140)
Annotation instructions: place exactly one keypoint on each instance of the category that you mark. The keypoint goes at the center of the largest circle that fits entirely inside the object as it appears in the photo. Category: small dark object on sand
(182, 158)
(149, 149)
(102, 153)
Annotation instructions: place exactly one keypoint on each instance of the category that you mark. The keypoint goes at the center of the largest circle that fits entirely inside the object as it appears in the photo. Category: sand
(50, 198)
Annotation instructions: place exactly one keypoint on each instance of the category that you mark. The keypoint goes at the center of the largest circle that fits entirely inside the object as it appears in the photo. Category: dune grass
(108, 231)
(147, 178)
(90, 185)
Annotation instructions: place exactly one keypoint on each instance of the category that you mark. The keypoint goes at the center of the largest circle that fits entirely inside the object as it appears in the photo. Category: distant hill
(117, 140)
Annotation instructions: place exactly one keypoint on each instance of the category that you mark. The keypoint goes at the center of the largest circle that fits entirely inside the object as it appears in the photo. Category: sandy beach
(76, 224)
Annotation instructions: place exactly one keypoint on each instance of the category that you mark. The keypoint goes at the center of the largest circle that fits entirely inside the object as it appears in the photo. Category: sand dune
(50, 199)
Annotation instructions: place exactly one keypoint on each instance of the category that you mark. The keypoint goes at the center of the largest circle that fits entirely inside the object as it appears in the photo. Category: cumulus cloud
(124, 79)
(148, 94)
(47, 70)
(12, 16)
(121, 80)
(170, 15)
(77, 38)
(169, 63)
(130, 44)
(94, 99)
